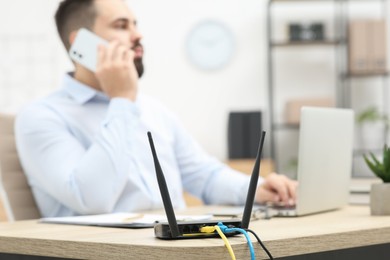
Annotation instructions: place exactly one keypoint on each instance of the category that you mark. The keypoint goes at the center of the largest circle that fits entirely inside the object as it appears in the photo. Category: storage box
(377, 46)
(306, 31)
(358, 47)
(367, 46)
(293, 107)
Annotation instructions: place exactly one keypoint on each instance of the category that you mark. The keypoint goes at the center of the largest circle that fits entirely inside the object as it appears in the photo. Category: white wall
(32, 59)
(201, 99)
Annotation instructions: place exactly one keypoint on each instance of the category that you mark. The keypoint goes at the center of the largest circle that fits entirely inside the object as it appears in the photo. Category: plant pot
(380, 199)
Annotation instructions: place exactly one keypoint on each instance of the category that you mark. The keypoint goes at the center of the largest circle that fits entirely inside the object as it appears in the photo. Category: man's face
(114, 21)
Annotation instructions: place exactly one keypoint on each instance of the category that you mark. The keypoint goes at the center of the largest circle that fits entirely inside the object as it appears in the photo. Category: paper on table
(130, 220)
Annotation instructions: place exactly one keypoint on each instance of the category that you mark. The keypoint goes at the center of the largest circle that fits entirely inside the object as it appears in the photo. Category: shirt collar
(80, 92)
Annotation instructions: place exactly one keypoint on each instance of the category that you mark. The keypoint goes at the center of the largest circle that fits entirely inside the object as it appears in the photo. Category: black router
(191, 229)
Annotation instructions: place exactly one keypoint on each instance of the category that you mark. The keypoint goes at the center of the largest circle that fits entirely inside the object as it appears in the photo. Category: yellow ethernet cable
(207, 229)
(227, 244)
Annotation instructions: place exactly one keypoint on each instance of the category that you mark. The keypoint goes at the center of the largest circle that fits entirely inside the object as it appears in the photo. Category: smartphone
(84, 49)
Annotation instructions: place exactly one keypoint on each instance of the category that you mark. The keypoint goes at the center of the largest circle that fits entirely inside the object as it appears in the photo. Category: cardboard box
(358, 47)
(293, 107)
(367, 46)
(377, 46)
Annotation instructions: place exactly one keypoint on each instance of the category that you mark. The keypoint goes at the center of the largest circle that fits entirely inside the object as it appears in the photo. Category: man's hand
(278, 189)
(116, 71)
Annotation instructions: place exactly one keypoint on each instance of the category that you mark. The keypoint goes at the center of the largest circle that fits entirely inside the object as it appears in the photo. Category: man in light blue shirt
(85, 150)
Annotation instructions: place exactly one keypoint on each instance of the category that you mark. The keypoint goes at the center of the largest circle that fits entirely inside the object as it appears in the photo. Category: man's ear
(72, 36)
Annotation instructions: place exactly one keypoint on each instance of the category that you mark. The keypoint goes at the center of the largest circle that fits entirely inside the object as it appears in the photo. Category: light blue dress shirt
(86, 154)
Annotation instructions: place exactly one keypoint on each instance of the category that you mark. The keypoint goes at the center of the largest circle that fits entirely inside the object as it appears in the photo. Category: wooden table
(3, 217)
(351, 230)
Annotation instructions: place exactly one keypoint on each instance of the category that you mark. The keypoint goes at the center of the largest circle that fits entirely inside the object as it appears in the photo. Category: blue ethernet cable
(226, 229)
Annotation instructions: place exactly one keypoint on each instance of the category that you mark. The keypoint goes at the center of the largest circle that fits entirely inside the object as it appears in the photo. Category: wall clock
(210, 45)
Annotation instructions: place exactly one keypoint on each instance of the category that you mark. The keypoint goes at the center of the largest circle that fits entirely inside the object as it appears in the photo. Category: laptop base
(286, 213)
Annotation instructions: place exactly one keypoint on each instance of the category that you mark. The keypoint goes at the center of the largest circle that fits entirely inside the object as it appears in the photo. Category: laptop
(191, 229)
(324, 161)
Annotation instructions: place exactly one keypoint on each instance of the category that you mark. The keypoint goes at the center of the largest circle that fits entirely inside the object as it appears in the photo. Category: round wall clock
(210, 45)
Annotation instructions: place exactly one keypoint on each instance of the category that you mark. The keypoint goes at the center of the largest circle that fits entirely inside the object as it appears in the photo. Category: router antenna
(252, 186)
(164, 192)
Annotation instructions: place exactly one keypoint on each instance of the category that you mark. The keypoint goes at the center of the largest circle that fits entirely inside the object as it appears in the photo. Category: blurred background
(273, 57)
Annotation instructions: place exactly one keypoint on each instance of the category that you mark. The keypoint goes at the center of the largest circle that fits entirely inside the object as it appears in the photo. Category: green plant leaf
(386, 178)
(375, 160)
(380, 166)
(375, 166)
(371, 114)
(386, 163)
(386, 159)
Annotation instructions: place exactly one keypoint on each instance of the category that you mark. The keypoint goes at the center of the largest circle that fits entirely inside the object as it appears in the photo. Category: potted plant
(380, 192)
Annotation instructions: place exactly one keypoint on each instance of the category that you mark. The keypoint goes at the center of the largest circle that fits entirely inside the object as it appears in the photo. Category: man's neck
(87, 77)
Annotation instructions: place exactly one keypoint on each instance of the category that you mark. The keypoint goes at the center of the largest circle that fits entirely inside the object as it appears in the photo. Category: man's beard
(139, 66)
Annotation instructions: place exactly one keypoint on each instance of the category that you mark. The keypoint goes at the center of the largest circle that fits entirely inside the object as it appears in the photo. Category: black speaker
(243, 134)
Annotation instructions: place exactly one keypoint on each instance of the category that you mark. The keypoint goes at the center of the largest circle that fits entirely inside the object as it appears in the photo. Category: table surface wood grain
(348, 227)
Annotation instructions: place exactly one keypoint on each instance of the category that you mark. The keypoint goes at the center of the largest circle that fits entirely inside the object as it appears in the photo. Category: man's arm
(204, 176)
(86, 179)
(215, 183)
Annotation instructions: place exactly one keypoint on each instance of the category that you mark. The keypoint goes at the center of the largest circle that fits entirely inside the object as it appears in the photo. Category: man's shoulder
(41, 103)
(40, 108)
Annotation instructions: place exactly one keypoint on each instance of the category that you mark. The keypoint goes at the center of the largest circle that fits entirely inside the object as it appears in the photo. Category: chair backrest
(15, 193)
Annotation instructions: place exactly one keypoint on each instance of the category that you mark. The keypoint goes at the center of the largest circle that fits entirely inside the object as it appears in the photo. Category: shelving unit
(348, 85)
(343, 89)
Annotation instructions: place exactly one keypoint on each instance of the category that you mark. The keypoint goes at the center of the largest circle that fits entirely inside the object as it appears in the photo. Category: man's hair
(72, 15)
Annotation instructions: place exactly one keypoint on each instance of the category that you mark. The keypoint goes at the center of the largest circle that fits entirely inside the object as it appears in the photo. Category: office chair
(15, 193)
